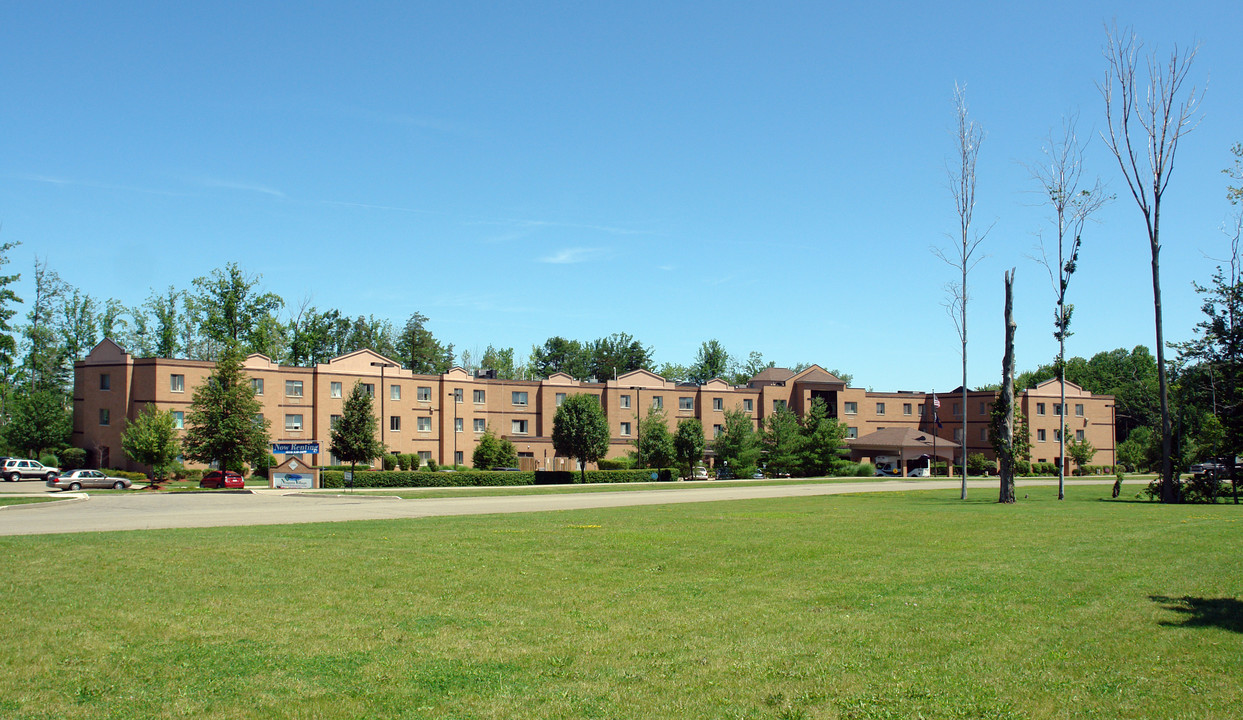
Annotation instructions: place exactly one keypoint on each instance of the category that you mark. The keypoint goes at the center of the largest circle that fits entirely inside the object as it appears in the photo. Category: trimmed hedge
(135, 476)
(479, 478)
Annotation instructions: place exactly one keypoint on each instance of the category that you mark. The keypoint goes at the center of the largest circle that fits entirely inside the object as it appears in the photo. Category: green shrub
(865, 469)
(432, 466)
(403, 462)
(135, 476)
(1022, 467)
(479, 478)
(49, 460)
(193, 474)
(978, 464)
(389, 461)
(620, 463)
(72, 458)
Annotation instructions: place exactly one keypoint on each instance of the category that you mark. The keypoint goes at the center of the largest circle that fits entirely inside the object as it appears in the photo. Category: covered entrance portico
(905, 448)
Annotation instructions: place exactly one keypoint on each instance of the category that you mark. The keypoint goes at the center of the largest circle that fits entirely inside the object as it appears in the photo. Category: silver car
(15, 469)
(78, 479)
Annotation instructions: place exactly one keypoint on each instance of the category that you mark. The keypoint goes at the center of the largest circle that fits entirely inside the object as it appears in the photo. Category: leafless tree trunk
(1007, 398)
(1145, 126)
(1060, 175)
(962, 255)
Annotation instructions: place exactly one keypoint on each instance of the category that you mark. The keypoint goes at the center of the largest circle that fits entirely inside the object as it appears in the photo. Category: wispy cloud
(481, 304)
(536, 224)
(666, 268)
(367, 206)
(569, 256)
(70, 182)
(243, 186)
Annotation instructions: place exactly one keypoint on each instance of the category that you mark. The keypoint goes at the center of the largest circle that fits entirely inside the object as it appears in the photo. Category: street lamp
(383, 419)
(638, 424)
(453, 395)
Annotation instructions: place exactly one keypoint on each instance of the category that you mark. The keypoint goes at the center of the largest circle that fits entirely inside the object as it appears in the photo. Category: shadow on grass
(1224, 613)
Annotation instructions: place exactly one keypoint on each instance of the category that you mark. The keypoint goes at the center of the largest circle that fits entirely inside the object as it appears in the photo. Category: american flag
(936, 404)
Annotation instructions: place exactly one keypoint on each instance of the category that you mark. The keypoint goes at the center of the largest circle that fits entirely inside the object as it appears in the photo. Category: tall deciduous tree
(151, 439)
(1003, 409)
(38, 420)
(1147, 118)
(738, 445)
(580, 431)
(654, 446)
(712, 361)
(419, 350)
(225, 424)
(45, 358)
(560, 355)
(232, 307)
(688, 444)
(1073, 201)
(8, 344)
(354, 437)
(618, 354)
(962, 254)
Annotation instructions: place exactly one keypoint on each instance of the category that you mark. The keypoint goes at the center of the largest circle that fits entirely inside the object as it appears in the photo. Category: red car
(222, 479)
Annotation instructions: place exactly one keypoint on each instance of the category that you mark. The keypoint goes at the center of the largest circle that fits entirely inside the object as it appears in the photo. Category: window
(718, 404)
(424, 394)
(479, 396)
(519, 398)
(560, 399)
(624, 402)
(625, 429)
(957, 434)
(177, 383)
(718, 431)
(105, 381)
(1040, 435)
(920, 409)
(880, 408)
(333, 420)
(457, 458)
(686, 403)
(1078, 409)
(779, 405)
(983, 434)
(748, 405)
(1057, 408)
(481, 425)
(394, 392)
(368, 388)
(257, 419)
(906, 408)
(457, 394)
(458, 424)
(425, 424)
(394, 423)
(958, 408)
(1057, 435)
(852, 408)
(293, 388)
(105, 416)
(1079, 436)
(424, 456)
(256, 384)
(1040, 408)
(335, 389)
(519, 427)
(293, 423)
(179, 419)
(983, 408)
(658, 402)
(852, 432)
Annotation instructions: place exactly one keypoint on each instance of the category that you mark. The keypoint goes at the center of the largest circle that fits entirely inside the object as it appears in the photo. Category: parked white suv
(17, 469)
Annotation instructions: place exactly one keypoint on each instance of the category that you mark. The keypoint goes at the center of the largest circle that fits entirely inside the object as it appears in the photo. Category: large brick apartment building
(442, 416)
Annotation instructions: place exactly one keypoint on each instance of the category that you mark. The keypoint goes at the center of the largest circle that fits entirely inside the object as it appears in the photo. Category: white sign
(291, 480)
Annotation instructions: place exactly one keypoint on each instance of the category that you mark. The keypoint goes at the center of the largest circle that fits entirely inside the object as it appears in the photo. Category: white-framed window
(424, 456)
(518, 427)
(394, 423)
(481, 425)
(1057, 436)
(457, 395)
(906, 408)
(179, 419)
(560, 399)
(369, 388)
(920, 409)
(105, 381)
(1057, 409)
(458, 424)
(519, 398)
(1040, 436)
(394, 392)
(718, 431)
(686, 403)
(479, 397)
(625, 429)
(333, 420)
(177, 383)
(1040, 408)
(748, 405)
(624, 402)
(334, 389)
(425, 424)
(851, 408)
(718, 404)
(880, 408)
(1079, 436)
(256, 384)
(1078, 409)
(957, 434)
(293, 423)
(105, 416)
(457, 458)
(852, 432)
(293, 388)
(658, 402)
(424, 394)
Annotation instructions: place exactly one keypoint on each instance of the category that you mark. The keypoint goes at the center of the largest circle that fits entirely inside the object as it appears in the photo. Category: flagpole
(935, 458)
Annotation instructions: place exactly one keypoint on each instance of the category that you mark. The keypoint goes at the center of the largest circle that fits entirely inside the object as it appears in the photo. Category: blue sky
(768, 174)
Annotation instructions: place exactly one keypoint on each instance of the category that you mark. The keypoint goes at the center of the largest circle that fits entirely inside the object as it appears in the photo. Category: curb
(67, 498)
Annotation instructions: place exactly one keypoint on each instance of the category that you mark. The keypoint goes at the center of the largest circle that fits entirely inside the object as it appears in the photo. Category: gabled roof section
(817, 374)
(359, 362)
(640, 378)
(458, 373)
(259, 361)
(773, 375)
(106, 352)
(560, 378)
(1053, 386)
(899, 438)
(716, 384)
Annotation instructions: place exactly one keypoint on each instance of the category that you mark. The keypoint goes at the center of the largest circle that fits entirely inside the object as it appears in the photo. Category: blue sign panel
(310, 448)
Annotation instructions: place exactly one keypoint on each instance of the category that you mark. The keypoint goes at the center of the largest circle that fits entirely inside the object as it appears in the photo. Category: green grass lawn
(24, 500)
(901, 605)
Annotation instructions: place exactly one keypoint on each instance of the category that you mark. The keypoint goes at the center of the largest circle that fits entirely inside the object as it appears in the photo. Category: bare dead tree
(962, 254)
(1006, 401)
(1073, 201)
(1146, 120)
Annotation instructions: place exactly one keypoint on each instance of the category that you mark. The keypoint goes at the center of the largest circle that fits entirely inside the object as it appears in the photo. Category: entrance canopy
(903, 444)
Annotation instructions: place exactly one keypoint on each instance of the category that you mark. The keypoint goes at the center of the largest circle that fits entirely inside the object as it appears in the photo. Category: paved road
(148, 511)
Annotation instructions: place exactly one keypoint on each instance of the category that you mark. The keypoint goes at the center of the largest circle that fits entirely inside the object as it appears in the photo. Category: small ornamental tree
(654, 448)
(354, 437)
(1081, 451)
(494, 452)
(823, 437)
(688, 444)
(580, 431)
(225, 424)
(38, 421)
(783, 440)
(738, 445)
(151, 439)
